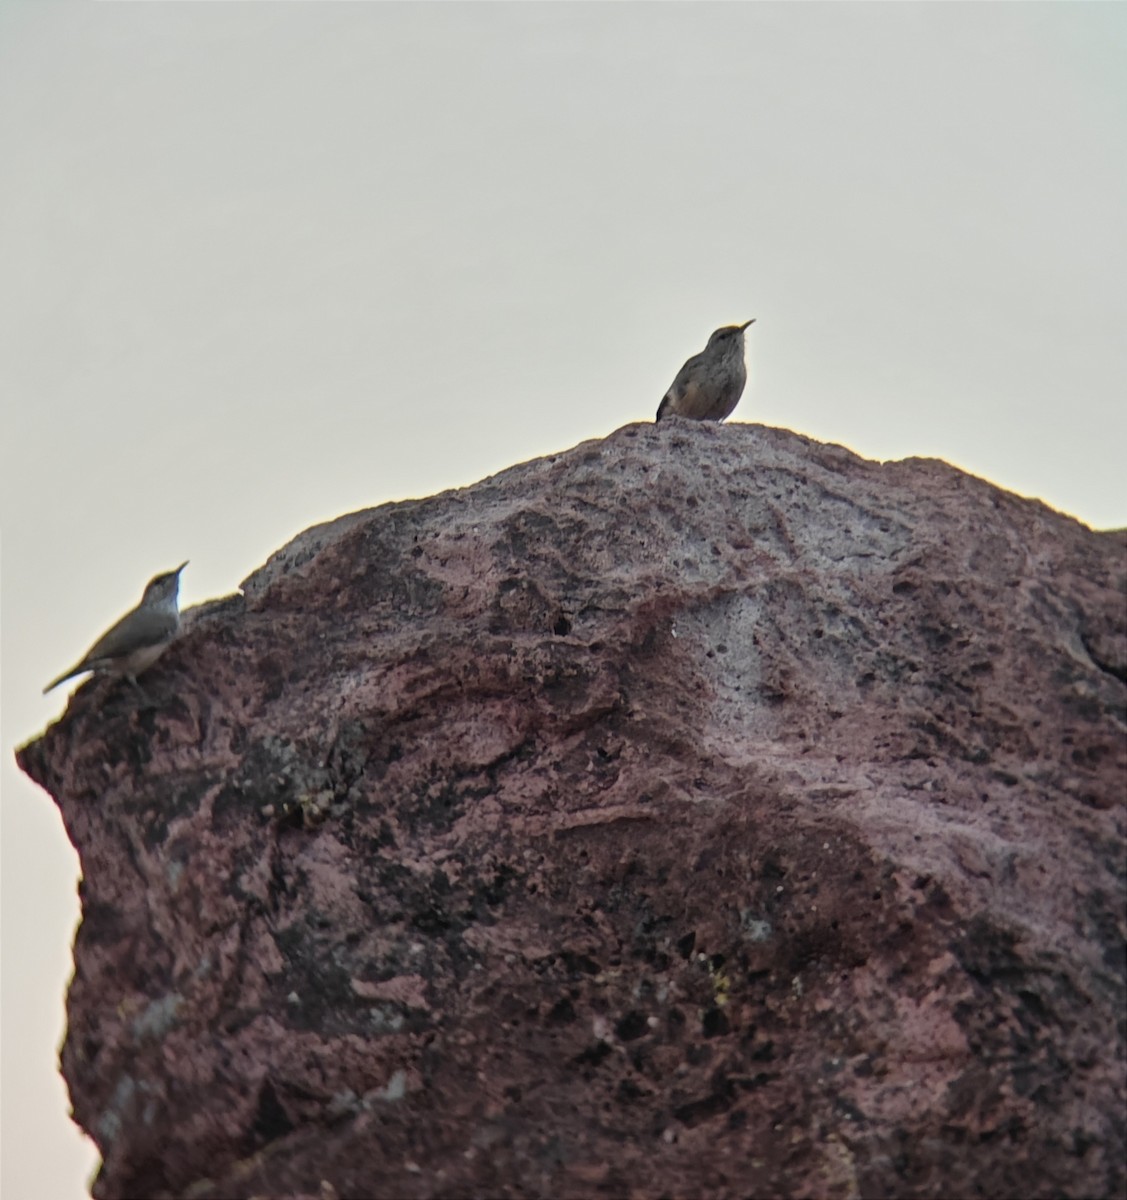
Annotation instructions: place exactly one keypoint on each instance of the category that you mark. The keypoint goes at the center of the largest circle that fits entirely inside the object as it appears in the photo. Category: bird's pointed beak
(182, 565)
(746, 324)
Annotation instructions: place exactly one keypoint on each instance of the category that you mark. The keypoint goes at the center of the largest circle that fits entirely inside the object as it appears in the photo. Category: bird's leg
(146, 700)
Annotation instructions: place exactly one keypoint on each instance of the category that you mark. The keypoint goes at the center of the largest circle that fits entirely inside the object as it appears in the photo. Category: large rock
(703, 811)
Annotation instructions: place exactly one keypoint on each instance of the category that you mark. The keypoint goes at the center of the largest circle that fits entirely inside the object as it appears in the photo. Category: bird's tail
(63, 678)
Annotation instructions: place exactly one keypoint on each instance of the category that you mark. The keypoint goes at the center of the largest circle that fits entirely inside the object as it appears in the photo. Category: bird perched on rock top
(711, 383)
(139, 638)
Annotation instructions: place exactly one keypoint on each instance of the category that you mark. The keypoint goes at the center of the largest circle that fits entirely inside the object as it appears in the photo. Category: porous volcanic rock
(702, 811)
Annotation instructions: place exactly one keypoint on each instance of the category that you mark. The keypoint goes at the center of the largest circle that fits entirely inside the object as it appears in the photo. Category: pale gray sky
(265, 264)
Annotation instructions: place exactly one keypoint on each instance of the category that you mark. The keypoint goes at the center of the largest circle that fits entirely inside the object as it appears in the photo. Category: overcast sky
(265, 264)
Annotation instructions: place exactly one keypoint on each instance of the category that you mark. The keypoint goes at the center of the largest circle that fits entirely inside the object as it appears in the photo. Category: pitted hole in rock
(633, 1025)
(594, 1055)
(714, 1023)
(562, 1012)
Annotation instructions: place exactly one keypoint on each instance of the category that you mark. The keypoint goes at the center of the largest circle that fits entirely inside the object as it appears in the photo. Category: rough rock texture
(703, 811)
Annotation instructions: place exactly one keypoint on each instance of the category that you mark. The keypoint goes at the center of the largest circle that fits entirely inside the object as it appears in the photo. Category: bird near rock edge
(139, 638)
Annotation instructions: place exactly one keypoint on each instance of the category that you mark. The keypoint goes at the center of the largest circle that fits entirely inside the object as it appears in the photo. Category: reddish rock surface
(703, 811)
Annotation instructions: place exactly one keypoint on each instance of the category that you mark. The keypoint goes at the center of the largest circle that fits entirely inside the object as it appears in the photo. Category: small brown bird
(709, 386)
(139, 638)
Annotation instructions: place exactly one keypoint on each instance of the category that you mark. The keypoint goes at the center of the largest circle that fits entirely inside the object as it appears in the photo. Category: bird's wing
(135, 629)
(144, 627)
(691, 402)
(673, 402)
